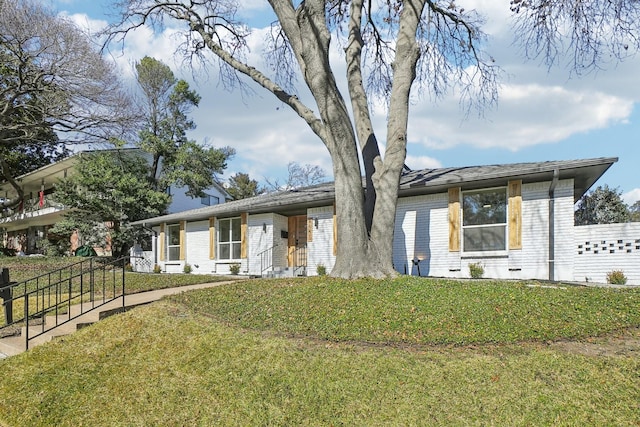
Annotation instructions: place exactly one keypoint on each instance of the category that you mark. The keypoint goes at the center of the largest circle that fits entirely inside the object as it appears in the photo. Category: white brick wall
(197, 247)
(261, 238)
(422, 232)
(320, 250)
(599, 249)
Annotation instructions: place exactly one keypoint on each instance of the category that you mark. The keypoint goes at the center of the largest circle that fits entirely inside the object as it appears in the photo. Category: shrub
(321, 270)
(476, 270)
(616, 277)
(157, 269)
(186, 269)
(234, 268)
(128, 267)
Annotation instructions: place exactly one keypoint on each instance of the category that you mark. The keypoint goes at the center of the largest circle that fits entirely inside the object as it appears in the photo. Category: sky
(542, 114)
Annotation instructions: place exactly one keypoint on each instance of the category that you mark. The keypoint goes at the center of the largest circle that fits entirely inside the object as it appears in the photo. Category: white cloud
(527, 115)
(422, 162)
(632, 196)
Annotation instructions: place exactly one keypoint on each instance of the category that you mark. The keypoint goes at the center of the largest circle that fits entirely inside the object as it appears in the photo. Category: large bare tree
(53, 79)
(390, 48)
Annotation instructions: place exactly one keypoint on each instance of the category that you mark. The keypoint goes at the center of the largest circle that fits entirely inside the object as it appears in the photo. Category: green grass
(324, 352)
(420, 311)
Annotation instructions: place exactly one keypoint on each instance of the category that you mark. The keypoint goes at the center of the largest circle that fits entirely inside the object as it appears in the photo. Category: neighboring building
(516, 219)
(26, 226)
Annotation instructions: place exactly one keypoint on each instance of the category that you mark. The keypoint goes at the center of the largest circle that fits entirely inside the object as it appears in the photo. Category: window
(484, 220)
(209, 200)
(173, 242)
(229, 238)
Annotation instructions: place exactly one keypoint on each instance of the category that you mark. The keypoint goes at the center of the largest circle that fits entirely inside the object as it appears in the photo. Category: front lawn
(420, 311)
(328, 352)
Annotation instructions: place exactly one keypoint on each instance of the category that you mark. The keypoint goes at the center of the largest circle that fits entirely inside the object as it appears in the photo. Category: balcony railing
(32, 205)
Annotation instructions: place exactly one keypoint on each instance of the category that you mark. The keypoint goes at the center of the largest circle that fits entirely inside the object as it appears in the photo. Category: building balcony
(31, 208)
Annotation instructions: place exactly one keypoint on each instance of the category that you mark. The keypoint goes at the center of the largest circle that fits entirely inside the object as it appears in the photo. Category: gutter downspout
(552, 236)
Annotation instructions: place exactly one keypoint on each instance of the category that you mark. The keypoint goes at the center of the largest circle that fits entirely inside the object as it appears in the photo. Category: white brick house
(516, 220)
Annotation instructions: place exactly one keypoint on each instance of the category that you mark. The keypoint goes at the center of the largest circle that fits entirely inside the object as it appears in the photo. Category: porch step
(279, 272)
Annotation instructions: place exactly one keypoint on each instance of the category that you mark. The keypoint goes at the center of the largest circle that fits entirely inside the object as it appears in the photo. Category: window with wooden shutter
(454, 219)
(515, 214)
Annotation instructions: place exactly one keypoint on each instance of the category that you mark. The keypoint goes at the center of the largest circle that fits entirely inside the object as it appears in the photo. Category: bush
(616, 277)
(234, 268)
(157, 269)
(476, 270)
(128, 267)
(321, 270)
(187, 269)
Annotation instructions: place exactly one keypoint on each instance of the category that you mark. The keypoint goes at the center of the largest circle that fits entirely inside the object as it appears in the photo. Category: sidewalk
(11, 346)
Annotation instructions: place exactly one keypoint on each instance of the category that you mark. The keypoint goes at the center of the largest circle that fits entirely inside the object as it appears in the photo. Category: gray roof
(427, 181)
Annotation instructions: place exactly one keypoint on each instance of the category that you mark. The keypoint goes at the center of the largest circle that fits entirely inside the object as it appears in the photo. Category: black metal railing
(299, 256)
(63, 294)
(266, 259)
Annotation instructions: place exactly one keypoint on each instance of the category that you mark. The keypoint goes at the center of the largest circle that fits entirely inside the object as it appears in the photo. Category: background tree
(24, 156)
(107, 192)
(603, 205)
(175, 159)
(242, 186)
(53, 81)
(389, 48)
(634, 212)
(299, 176)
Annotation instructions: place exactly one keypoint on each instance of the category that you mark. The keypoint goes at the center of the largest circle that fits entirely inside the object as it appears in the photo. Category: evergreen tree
(603, 205)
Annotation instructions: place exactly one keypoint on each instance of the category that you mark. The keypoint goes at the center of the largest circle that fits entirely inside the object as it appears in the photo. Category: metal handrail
(266, 258)
(77, 284)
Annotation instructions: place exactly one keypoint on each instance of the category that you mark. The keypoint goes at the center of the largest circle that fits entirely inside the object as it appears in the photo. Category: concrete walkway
(10, 346)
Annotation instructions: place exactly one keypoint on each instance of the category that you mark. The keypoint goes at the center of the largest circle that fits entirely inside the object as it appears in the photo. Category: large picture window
(173, 242)
(229, 238)
(484, 220)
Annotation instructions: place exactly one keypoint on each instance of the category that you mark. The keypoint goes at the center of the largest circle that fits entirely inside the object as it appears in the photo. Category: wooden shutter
(161, 243)
(335, 231)
(183, 226)
(515, 214)
(454, 219)
(212, 237)
(243, 235)
(291, 239)
(309, 229)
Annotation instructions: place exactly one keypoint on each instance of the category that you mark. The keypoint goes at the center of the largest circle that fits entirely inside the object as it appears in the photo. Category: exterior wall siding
(532, 261)
(599, 249)
(421, 233)
(564, 231)
(260, 239)
(320, 249)
(197, 247)
(280, 225)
